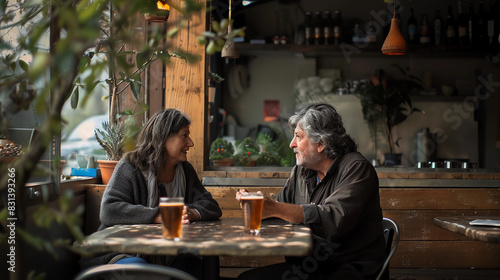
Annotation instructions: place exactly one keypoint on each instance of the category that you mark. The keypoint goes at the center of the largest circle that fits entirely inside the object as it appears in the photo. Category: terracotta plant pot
(107, 168)
(223, 162)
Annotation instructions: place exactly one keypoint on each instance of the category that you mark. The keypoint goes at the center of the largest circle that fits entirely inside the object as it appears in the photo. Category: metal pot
(451, 164)
(466, 164)
(436, 164)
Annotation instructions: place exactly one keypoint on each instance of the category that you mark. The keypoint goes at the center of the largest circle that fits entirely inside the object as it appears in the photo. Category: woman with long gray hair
(158, 167)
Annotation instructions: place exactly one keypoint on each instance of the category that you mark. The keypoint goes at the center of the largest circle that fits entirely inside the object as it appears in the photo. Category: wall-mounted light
(394, 43)
(156, 11)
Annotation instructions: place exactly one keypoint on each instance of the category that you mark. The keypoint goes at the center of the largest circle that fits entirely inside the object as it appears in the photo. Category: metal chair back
(391, 235)
(133, 271)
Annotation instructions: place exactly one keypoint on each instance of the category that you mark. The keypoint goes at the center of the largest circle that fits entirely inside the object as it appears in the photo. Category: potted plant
(116, 140)
(269, 159)
(268, 155)
(246, 152)
(221, 152)
(386, 100)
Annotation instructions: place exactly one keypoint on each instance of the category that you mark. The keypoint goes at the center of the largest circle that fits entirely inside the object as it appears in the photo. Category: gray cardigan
(125, 199)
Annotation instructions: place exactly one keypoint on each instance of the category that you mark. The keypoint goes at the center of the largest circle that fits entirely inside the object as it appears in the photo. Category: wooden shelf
(372, 50)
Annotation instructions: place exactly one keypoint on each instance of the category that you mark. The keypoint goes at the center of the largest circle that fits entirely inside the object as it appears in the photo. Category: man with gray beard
(334, 191)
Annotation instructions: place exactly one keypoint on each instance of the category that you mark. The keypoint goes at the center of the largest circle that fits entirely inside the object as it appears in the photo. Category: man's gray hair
(323, 124)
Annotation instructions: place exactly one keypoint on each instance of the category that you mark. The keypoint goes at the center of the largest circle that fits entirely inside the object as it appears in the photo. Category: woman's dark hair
(323, 124)
(150, 152)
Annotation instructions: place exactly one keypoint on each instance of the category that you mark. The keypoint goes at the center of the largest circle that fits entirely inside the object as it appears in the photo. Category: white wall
(273, 76)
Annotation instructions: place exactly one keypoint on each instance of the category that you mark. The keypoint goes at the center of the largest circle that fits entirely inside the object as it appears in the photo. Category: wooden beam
(185, 82)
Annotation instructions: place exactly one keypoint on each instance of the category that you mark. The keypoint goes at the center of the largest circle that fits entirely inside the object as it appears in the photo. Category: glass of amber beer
(252, 203)
(171, 216)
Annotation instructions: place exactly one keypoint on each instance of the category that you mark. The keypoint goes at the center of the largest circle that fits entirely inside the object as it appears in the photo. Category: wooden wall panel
(418, 225)
(92, 207)
(439, 254)
(440, 198)
(422, 245)
(185, 82)
(234, 261)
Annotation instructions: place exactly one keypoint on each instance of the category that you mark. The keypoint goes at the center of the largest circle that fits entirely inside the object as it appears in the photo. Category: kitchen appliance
(426, 147)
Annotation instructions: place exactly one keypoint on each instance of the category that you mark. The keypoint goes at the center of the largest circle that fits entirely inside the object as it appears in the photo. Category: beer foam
(253, 197)
(171, 204)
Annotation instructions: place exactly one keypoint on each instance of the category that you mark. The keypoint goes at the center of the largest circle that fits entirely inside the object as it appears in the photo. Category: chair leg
(211, 267)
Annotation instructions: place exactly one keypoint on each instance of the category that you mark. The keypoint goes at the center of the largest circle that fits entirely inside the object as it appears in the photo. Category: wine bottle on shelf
(490, 22)
(371, 31)
(318, 28)
(438, 29)
(482, 26)
(412, 29)
(495, 11)
(425, 31)
(337, 27)
(473, 33)
(308, 29)
(328, 28)
(451, 33)
(462, 22)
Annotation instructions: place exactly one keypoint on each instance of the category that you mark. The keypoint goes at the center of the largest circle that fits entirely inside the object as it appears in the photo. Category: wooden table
(460, 224)
(208, 239)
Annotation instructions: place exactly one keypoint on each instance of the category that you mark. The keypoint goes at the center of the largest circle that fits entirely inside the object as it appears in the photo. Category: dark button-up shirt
(343, 211)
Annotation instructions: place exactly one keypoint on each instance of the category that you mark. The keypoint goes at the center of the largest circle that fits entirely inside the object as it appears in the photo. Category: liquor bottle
(337, 27)
(359, 36)
(482, 25)
(308, 29)
(318, 28)
(412, 29)
(425, 31)
(371, 31)
(490, 21)
(438, 29)
(495, 11)
(451, 33)
(473, 33)
(328, 28)
(462, 23)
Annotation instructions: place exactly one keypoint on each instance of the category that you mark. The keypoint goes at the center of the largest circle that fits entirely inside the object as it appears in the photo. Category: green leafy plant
(119, 138)
(269, 152)
(387, 100)
(63, 69)
(221, 149)
(247, 152)
(275, 152)
(216, 37)
(214, 78)
(267, 158)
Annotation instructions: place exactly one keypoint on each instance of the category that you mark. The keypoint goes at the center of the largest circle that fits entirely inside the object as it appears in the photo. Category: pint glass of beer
(251, 204)
(171, 216)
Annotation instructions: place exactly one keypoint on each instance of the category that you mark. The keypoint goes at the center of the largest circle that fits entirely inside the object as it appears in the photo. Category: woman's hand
(189, 215)
(157, 219)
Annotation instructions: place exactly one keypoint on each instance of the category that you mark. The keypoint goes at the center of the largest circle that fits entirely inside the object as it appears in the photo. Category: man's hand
(238, 195)
(268, 205)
